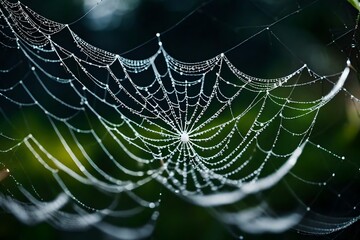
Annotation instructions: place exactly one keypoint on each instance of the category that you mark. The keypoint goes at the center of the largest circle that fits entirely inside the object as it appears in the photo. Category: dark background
(215, 27)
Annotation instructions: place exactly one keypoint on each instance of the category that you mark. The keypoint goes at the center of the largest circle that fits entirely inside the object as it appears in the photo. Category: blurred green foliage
(217, 27)
(355, 3)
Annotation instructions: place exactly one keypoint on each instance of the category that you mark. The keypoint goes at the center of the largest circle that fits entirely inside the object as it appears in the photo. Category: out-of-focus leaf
(355, 3)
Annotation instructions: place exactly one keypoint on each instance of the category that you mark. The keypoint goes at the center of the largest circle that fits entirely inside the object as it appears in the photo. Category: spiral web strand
(204, 130)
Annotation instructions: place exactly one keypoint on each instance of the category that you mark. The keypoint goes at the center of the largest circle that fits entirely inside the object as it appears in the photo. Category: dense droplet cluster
(191, 127)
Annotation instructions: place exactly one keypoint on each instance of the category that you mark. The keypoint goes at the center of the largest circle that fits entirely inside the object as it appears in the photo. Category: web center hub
(184, 137)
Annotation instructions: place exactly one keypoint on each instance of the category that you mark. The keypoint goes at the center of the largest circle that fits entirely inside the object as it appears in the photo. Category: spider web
(122, 129)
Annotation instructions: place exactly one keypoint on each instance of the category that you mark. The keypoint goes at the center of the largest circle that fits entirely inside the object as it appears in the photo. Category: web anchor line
(120, 128)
